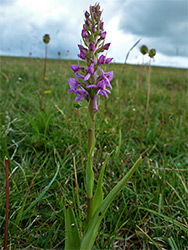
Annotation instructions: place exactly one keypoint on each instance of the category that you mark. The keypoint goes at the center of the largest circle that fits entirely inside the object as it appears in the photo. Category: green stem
(89, 169)
(91, 126)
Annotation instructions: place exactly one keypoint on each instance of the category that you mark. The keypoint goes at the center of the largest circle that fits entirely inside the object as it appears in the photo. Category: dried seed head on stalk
(144, 49)
(46, 38)
(152, 53)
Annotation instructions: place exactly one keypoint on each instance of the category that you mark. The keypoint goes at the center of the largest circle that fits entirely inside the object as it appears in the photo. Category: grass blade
(175, 222)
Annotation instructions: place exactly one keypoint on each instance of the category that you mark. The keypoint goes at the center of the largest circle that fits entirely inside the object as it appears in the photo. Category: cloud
(163, 23)
(160, 24)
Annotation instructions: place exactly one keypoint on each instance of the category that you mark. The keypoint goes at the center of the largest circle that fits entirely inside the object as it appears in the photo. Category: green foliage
(38, 142)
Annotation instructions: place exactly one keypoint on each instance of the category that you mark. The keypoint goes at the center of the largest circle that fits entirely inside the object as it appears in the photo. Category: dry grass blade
(148, 237)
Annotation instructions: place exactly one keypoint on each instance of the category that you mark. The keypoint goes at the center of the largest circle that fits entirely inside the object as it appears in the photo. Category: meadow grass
(151, 212)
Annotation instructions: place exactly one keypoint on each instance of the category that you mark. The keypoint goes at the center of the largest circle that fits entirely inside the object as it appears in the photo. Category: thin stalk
(147, 106)
(43, 80)
(7, 202)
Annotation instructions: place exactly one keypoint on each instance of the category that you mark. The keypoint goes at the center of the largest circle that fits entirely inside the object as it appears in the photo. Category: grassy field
(151, 212)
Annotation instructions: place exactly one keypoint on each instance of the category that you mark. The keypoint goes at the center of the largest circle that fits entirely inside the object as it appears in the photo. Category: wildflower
(92, 81)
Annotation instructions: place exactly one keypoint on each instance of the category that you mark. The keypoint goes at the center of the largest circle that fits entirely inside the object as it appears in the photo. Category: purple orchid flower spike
(92, 81)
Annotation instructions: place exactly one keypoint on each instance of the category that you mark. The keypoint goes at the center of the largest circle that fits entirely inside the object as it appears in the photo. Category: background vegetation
(151, 212)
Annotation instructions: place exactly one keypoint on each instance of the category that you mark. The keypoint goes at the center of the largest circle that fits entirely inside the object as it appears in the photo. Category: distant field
(151, 212)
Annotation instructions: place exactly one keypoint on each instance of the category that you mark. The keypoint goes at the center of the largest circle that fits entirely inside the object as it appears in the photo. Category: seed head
(144, 49)
(46, 38)
(152, 53)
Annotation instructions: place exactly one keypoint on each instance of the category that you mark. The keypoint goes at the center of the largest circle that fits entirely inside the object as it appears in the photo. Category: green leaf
(98, 197)
(93, 225)
(72, 236)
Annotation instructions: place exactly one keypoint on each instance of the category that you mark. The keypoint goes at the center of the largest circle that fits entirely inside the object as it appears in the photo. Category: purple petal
(108, 60)
(73, 83)
(102, 59)
(87, 14)
(87, 77)
(95, 108)
(82, 54)
(75, 68)
(80, 76)
(79, 98)
(91, 86)
(91, 69)
(110, 75)
(106, 46)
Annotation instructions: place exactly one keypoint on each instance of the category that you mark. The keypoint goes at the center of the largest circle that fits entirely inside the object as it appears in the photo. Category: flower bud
(102, 59)
(95, 16)
(92, 8)
(106, 46)
(88, 23)
(84, 33)
(91, 47)
(103, 35)
(101, 25)
(87, 14)
(94, 30)
(97, 7)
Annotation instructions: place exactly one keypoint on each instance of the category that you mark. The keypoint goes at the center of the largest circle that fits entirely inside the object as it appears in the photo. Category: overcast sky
(161, 24)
